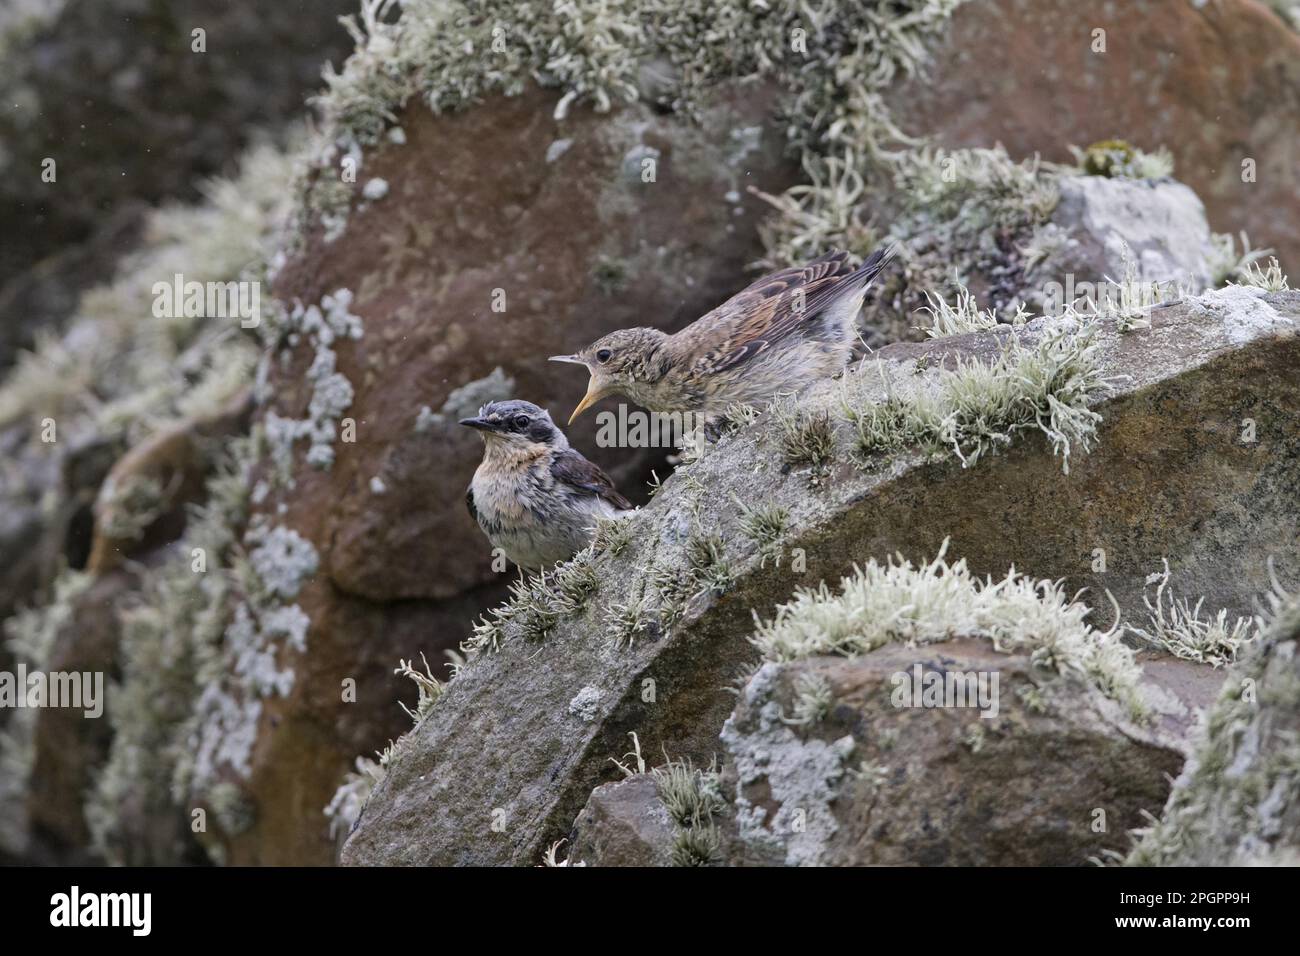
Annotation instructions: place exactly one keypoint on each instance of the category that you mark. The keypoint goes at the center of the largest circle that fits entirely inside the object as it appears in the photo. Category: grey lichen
(1228, 264)
(813, 698)
(958, 317)
(586, 703)
(452, 54)
(1177, 627)
(126, 509)
(978, 407)
(806, 439)
(612, 536)
(710, 570)
(696, 846)
(332, 393)
(465, 400)
(428, 687)
(281, 560)
(764, 525)
(1270, 278)
(1235, 802)
(967, 210)
(537, 603)
(172, 647)
(693, 798)
(634, 619)
(801, 776)
(250, 664)
(344, 808)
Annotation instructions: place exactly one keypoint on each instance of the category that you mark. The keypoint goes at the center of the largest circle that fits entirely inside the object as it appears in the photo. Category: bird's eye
(603, 356)
(522, 422)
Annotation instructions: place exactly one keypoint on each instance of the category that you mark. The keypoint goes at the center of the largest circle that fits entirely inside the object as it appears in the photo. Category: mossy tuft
(936, 601)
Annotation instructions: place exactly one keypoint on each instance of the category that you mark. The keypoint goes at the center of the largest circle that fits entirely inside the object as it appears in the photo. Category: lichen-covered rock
(437, 268)
(67, 746)
(1224, 83)
(1236, 802)
(364, 457)
(436, 258)
(1051, 773)
(1159, 225)
(796, 499)
(623, 824)
(142, 502)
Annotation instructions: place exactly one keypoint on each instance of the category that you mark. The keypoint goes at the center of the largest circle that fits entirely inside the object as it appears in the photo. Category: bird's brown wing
(756, 318)
(575, 471)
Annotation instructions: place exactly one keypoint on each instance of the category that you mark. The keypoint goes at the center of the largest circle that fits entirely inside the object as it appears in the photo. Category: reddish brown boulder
(579, 243)
(1216, 83)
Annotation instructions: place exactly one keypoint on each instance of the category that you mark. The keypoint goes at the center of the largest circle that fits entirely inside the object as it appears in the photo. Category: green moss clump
(1116, 158)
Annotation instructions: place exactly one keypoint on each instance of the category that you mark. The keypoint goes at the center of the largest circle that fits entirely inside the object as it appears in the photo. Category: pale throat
(504, 453)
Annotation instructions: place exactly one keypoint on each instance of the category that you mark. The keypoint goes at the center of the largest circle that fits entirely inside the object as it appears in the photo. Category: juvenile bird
(535, 498)
(788, 329)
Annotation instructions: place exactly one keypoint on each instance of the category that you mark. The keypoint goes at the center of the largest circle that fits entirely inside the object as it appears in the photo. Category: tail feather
(855, 283)
(872, 266)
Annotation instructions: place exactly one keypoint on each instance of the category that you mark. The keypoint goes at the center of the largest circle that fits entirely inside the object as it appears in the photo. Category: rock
(68, 746)
(1235, 803)
(1161, 222)
(469, 220)
(46, 516)
(143, 500)
(623, 824)
(48, 291)
(1167, 475)
(875, 784)
(1223, 81)
(117, 87)
(406, 570)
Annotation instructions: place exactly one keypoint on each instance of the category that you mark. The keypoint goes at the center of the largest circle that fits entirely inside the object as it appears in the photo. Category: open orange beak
(593, 395)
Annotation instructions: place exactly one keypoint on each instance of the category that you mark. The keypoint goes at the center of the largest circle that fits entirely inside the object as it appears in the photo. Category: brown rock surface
(875, 784)
(623, 824)
(580, 245)
(1216, 83)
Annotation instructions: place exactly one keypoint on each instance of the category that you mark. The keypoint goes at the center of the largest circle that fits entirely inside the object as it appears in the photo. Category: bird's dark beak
(480, 424)
(571, 359)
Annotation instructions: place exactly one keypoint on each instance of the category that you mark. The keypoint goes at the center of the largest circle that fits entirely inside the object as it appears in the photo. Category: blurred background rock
(113, 90)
